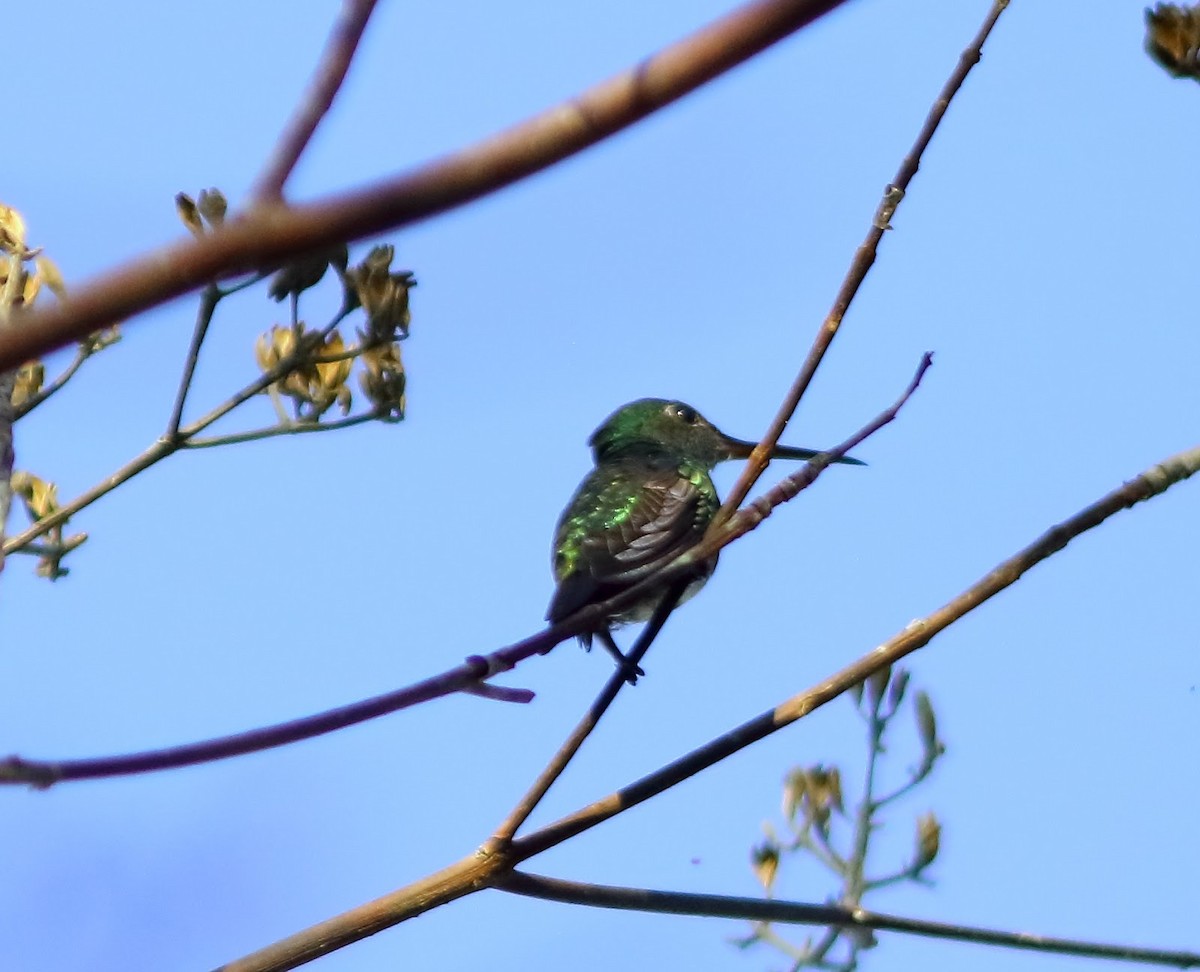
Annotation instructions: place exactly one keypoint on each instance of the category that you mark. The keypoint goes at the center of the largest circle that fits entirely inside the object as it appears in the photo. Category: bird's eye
(684, 413)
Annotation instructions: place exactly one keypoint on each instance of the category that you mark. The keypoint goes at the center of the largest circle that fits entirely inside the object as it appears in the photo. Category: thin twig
(327, 80)
(162, 448)
(864, 817)
(792, 912)
(209, 298)
(467, 677)
(271, 235)
(58, 550)
(475, 670)
(82, 353)
(566, 752)
(244, 284)
(488, 865)
(291, 428)
(916, 634)
(860, 265)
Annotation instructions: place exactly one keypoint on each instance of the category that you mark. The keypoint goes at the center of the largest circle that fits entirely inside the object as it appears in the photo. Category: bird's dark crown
(659, 425)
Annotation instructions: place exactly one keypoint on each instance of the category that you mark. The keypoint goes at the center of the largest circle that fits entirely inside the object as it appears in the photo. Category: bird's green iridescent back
(631, 515)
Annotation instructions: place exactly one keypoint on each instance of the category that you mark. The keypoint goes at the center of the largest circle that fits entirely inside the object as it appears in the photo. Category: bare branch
(82, 353)
(208, 304)
(270, 235)
(759, 909)
(477, 669)
(163, 447)
(467, 677)
(289, 428)
(566, 752)
(486, 866)
(327, 80)
(860, 265)
(917, 634)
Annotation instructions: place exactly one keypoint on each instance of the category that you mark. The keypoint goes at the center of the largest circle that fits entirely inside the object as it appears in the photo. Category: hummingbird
(649, 498)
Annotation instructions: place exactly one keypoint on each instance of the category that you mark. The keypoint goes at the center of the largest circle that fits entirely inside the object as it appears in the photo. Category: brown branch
(793, 912)
(500, 854)
(327, 80)
(488, 867)
(469, 676)
(916, 634)
(566, 752)
(208, 305)
(165, 446)
(860, 265)
(270, 235)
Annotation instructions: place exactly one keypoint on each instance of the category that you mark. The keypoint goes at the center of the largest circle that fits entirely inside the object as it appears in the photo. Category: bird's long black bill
(740, 449)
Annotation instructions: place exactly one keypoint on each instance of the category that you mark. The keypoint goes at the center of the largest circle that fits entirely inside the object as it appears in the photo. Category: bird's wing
(635, 524)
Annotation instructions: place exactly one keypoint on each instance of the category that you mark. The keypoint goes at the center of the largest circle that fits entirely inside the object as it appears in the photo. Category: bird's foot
(631, 670)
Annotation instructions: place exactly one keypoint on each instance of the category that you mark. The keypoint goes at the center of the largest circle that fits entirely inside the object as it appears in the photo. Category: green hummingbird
(649, 498)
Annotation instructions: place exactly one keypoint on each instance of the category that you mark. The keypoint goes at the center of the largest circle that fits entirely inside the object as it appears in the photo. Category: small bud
(825, 788)
(764, 860)
(48, 273)
(897, 688)
(926, 722)
(211, 205)
(12, 231)
(30, 379)
(189, 214)
(795, 786)
(929, 836)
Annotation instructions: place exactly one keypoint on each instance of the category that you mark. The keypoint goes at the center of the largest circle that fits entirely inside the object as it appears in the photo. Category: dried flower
(313, 384)
(1173, 39)
(30, 379)
(383, 380)
(383, 294)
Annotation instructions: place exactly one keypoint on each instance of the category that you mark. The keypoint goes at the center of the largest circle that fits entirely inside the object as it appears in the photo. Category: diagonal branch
(167, 445)
(792, 912)
(272, 234)
(860, 265)
(566, 752)
(917, 634)
(204, 314)
(471, 676)
(82, 353)
(467, 677)
(327, 80)
(489, 867)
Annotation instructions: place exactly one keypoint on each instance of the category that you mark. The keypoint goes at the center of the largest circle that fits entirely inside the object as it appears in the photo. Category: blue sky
(1046, 254)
